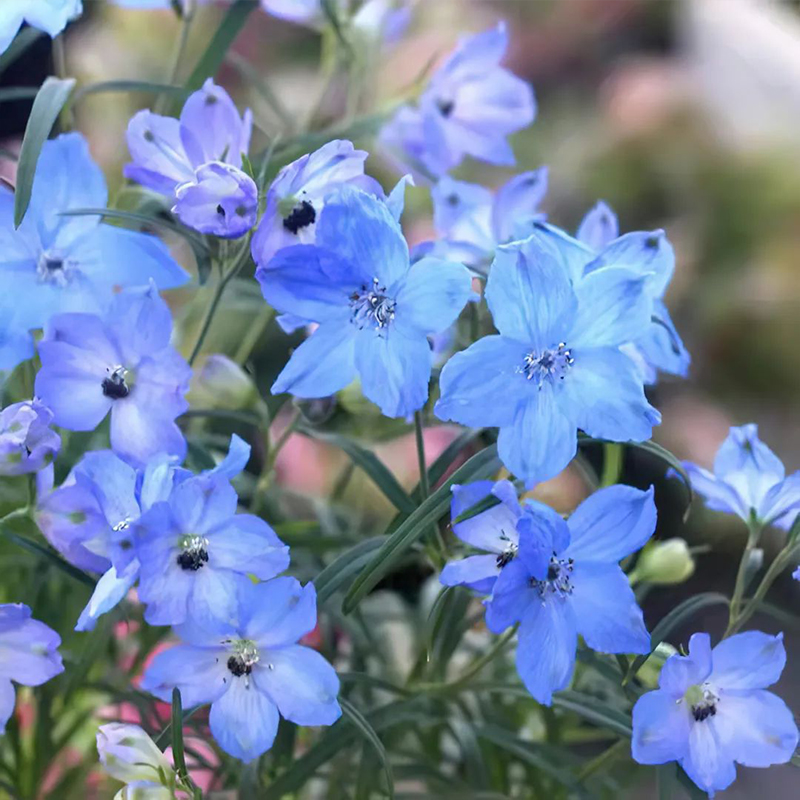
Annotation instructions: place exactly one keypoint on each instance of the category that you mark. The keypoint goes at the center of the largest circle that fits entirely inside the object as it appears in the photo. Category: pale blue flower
(50, 16)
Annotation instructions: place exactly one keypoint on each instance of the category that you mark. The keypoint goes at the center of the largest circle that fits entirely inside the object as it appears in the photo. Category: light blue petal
(212, 597)
(605, 608)
(8, 697)
(301, 683)
(546, 649)
(611, 524)
(718, 495)
(542, 533)
(749, 660)
(462, 211)
(613, 308)
(483, 384)
(396, 200)
(603, 393)
(708, 762)
(247, 544)
(782, 499)
(322, 365)
(511, 596)
(541, 441)
(599, 227)
(236, 459)
(681, 672)
(491, 530)
(472, 571)
(394, 369)
(108, 592)
(112, 482)
(279, 612)
(571, 255)
(518, 200)
(29, 647)
(244, 720)
(529, 294)
(432, 297)
(660, 729)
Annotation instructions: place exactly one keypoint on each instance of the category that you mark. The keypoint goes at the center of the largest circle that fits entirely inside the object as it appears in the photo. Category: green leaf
(23, 40)
(49, 555)
(345, 566)
(371, 464)
(178, 754)
(480, 467)
(666, 780)
(594, 711)
(49, 101)
(18, 93)
(360, 722)
(680, 614)
(445, 460)
(226, 34)
(130, 86)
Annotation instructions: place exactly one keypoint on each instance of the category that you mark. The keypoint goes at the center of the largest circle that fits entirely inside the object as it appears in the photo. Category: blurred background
(681, 114)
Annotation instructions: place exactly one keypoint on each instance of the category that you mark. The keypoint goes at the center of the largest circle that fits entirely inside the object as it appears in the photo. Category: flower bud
(27, 443)
(664, 562)
(128, 754)
(650, 671)
(222, 383)
(144, 790)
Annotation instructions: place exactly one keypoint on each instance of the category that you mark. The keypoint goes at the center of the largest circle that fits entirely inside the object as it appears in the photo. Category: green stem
(753, 534)
(255, 332)
(437, 551)
(66, 116)
(609, 754)
(180, 51)
(612, 464)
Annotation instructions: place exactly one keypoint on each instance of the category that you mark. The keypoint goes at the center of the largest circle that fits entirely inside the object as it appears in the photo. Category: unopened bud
(222, 383)
(664, 562)
(650, 671)
(128, 754)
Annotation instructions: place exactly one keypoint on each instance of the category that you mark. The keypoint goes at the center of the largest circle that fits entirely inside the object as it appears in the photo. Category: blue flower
(122, 363)
(749, 480)
(50, 16)
(711, 710)
(252, 670)
(221, 200)
(167, 151)
(556, 365)
(374, 310)
(27, 442)
(471, 222)
(565, 580)
(469, 108)
(61, 263)
(493, 531)
(195, 550)
(297, 196)
(29, 654)
(304, 12)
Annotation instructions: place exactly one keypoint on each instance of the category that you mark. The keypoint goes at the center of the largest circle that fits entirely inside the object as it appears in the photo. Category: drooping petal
(108, 592)
(245, 543)
(394, 370)
(749, 660)
(199, 672)
(606, 611)
(244, 720)
(475, 572)
(599, 227)
(482, 385)
(492, 529)
(546, 649)
(660, 729)
(782, 499)
(235, 460)
(279, 612)
(718, 495)
(708, 762)
(681, 672)
(301, 683)
(611, 524)
(28, 653)
(661, 347)
(518, 200)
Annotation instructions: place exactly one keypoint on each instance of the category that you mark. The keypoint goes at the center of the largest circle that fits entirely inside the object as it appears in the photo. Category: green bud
(651, 669)
(222, 383)
(663, 563)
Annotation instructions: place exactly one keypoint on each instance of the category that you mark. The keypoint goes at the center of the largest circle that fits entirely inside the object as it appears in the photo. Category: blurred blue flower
(121, 362)
(493, 531)
(749, 480)
(50, 16)
(195, 550)
(297, 196)
(221, 200)
(167, 151)
(565, 580)
(470, 106)
(252, 670)
(556, 366)
(471, 222)
(304, 12)
(374, 310)
(711, 710)
(29, 654)
(27, 442)
(62, 263)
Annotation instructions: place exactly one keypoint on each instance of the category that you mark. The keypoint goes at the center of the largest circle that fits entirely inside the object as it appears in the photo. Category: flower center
(194, 552)
(52, 268)
(245, 657)
(118, 383)
(371, 307)
(549, 365)
(300, 216)
(558, 581)
(508, 555)
(702, 701)
(445, 107)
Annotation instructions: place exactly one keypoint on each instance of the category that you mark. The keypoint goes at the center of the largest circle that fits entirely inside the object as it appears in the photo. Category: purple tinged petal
(518, 200)
(109, 591)
(718, 495)
(661, 729)
(462, 212)
(247, 544)
(199, 672)
(244, 721)
(749, 660)
(27, 443)
(235, 461)
(475, 572)
(708, 762)
(28, 648)
(279, 612)
(8, 697)
(681, 672)
(599, 227)
(160, 161)
(491, 530)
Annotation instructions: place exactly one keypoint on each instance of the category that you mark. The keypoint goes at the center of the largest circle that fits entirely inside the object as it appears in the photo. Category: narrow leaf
(18, 93)
(22, 42)
(178, 754)
(46, 107)
(345, 566)
(361, 724)
(437, 470)
(50, 555)
(130, 86)
(594, 711)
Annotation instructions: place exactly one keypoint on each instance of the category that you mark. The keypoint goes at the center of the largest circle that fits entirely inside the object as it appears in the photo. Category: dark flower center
(370, 306)
(508, 555)
(115, 386)
(300, 217)
(220, 211)
(194, 553)
(549, 365)
(52, 268)
(245, 656)
(445, 107)
(558, 580)
(702, 701)
(703, 712)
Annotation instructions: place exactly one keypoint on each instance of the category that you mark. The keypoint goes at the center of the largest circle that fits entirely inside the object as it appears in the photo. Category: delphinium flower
(122, 363)
(195, 158)
(251, 668)
(375, 311)
(469, 107)
(128, 754)
(748, 480)
(28, 654)
(565, 580)
(50, 16)
(471, 221)
(556, 365)
(68, 263)
(297, 196)
(27, 442)
(195, 551)
(712, 710)
(493, 531)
